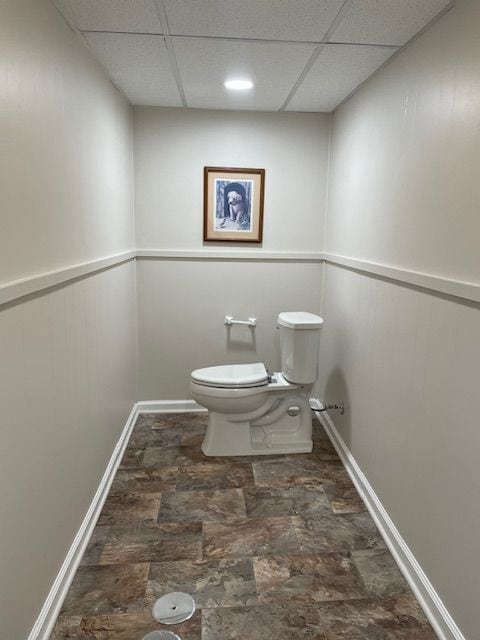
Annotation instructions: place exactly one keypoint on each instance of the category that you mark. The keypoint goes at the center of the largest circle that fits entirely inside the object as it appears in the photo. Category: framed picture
(233, 204)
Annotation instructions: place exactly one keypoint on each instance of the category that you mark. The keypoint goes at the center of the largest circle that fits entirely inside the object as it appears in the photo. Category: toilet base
(288, 434)
(300, 447)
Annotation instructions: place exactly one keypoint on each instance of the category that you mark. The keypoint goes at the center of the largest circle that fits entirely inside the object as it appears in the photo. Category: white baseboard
(168, 406)
(48, 615)
(436, 612)
(46, 620)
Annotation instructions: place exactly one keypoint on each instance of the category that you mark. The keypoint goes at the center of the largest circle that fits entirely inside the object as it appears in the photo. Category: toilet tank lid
(299, 320)
(232, 375)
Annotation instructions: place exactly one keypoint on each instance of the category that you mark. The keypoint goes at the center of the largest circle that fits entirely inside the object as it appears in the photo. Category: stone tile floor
(278, 547)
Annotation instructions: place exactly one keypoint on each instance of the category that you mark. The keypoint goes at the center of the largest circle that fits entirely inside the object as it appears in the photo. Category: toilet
(254, 412)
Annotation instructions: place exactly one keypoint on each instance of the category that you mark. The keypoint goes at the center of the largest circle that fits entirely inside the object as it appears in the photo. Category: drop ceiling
(302, 55)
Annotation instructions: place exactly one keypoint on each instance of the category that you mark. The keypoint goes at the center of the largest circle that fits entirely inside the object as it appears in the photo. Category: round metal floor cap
(161, 635)
(173, 608)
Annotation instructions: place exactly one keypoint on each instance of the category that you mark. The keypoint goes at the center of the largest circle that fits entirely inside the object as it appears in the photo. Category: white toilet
(253, 412)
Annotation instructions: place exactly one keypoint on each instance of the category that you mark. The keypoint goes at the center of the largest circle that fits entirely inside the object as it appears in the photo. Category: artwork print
(233, 204)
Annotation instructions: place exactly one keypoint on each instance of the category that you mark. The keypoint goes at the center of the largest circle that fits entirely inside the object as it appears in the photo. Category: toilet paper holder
(229, 320)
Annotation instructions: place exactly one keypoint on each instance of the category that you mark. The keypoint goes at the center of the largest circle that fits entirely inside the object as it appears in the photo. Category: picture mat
(254, 206)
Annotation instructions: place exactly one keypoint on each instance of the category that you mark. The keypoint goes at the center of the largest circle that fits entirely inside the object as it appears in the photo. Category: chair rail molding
(17, 289)
(429, 282)
(10, 291)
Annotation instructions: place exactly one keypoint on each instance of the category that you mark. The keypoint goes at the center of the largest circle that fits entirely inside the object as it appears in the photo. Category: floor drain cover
(161, 635)
(173, 608)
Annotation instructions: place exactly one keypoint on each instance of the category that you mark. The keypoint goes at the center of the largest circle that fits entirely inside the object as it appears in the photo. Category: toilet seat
(227, 392)
(232, 376)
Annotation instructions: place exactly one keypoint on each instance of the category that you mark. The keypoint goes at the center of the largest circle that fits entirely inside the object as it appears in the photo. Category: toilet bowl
(253, 412)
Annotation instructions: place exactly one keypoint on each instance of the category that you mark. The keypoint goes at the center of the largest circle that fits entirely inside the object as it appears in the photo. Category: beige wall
(182, 303)
(403, 181)
(404, 192)
(172, 146)
(181, 306)
(67, 380)
(67, 365)
(65, 157)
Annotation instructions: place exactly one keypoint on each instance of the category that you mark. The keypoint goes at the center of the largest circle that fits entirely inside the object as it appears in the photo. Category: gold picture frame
(233, 204)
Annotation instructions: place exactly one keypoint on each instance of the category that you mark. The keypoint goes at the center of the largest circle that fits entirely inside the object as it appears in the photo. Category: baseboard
(168, 406)
(436, 612)
(46, 620)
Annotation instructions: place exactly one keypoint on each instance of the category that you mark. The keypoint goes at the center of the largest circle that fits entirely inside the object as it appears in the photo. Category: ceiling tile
(338, 70)
(205, 65)
(135, 16)
(139, 65)
(306, 20)
(385, 21)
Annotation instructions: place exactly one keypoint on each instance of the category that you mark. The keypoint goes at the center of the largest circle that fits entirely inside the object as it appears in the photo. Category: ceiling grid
(302, 55)
(163, 18)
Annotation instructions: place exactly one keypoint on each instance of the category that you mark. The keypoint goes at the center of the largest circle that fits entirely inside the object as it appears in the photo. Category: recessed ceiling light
(238, 85)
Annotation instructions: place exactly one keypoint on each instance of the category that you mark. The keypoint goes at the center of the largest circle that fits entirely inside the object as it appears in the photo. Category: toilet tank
(299, 342)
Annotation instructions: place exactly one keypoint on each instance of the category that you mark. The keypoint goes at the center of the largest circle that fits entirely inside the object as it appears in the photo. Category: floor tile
(155, 438)
(322, 445)
(144, 420)
(334, 532)
(284, 473)
(151, 480)
(194, 431)
(288, 501)
(323, 451)
(66, 627)
(181, 455)
(152, 543)
(184, 506)
(390, 619)
(380, 574)
(134, 627)
(131, 458)
(158, 457)
(318, 429)
(214, 476)
(95, 546)
(248, 537)
(191, 454)
(344, 498)
(322, 570)
(309, 578)
(107, 590)
(189, 422)
(128, 507)
(212, 583)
